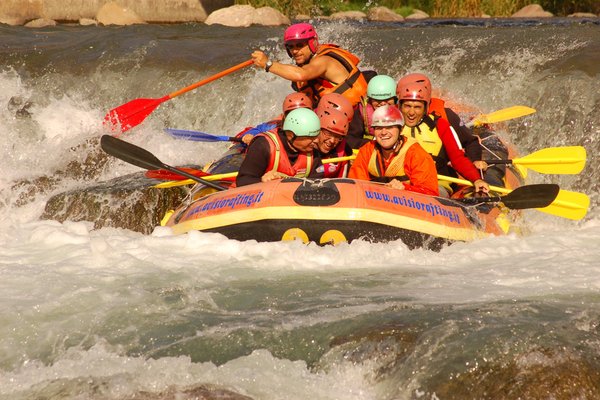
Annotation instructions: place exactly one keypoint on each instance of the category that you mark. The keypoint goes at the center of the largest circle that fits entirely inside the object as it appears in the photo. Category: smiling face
(299, 51)
(412, 111)
(327, 141)
(387, 136)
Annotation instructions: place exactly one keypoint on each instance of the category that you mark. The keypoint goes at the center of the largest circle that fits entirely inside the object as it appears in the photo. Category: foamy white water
(110, 313)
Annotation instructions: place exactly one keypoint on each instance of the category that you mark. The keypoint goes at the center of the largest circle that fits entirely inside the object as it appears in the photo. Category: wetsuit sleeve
(255, 163)
(420, 169)
(459, 161)
(360, 167)
(468, 140)
(356, 130)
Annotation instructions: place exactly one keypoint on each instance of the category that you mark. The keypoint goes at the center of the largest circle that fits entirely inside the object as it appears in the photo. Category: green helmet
(303, 122)
(381, 87)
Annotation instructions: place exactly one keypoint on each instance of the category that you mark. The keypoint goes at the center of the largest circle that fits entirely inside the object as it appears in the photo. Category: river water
(114, 314)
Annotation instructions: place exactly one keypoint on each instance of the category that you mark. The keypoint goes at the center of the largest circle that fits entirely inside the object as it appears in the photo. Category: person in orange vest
(435, 136)
(331, 143)
(283, 152)
(319, 69)
(397, 160)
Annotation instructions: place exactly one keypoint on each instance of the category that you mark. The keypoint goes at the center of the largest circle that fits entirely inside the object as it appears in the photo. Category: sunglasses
(296, 46)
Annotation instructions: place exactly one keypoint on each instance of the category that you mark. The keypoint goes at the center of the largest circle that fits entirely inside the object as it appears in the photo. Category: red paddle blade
(131, 114)
(163, 174)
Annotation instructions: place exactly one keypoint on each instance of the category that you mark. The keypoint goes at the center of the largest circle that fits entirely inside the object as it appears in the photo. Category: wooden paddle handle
(211, 78)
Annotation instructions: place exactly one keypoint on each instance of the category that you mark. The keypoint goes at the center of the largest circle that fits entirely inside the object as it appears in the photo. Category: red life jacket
(336, 169)
(280, 162)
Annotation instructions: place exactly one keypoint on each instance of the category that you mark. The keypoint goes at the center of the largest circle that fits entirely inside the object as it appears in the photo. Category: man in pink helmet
(319, 69)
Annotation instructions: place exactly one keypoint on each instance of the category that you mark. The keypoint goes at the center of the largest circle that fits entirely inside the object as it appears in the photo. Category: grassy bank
(435, 8)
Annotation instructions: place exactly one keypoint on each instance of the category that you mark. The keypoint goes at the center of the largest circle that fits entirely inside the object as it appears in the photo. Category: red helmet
(414, 91)
(296, 100)
(302, 32)
(334, 120)
(387, 115)
(409, 80)
(337, 101)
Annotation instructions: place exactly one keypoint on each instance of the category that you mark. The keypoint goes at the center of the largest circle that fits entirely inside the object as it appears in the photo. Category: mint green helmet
(302, 122)
(381, 87)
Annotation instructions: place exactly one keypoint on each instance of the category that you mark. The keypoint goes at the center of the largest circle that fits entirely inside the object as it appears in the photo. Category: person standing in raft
(397, 160)
(319, 69)
(381, 90)
(283, 152)
(331, 143)
(435, 136)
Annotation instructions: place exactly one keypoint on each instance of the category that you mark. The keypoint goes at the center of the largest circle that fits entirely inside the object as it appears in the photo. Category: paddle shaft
(211, 78)
(142, 158)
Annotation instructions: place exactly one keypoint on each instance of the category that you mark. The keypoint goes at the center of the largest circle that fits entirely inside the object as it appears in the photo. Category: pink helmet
(337, 101)
(296, 100)
(302, 32)
(414, 91)
(334, 120)
(414, 78)
(387, 115)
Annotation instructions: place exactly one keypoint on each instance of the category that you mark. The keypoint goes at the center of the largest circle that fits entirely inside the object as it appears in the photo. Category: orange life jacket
(395, 169)
(436, 106)
(353, 87)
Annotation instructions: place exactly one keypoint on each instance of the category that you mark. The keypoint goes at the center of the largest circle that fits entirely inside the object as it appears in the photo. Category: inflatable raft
(336, 210)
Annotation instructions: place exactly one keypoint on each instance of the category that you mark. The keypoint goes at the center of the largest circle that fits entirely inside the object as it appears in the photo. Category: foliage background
(435, 8)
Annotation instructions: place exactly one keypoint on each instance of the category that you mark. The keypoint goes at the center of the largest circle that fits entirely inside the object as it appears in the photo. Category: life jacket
(280, 162)
(366, 111)
(337, 169)
(437, 108)
(353, 87)
(395, 170)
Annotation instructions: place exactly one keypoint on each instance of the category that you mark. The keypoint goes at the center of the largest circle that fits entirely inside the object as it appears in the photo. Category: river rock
(243, 15)
(532, 11)
(583, 15)
(357, 15)
(87, 21)
(270, 17)
(40, 23)
(114, 14)
(17, 12)
(383, 14)
(418, 14)
(128, 202)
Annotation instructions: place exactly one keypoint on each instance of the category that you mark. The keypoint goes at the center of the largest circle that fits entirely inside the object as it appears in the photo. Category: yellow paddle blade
(555, 160)
(571, 205)
(185, 182)
(501, 115)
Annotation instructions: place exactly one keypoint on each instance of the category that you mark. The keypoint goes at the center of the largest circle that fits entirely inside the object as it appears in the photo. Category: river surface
(114, 314)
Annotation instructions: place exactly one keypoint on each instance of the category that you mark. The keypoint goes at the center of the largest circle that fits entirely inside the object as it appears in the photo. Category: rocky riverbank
(39, 13)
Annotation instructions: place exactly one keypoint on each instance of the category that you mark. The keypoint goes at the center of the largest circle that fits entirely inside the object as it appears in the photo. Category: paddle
(229, 175)
(132, 113)
(529, 196)
(553, 160)
(144, 159)
(200, 136)
(571, 205)
(501, 115)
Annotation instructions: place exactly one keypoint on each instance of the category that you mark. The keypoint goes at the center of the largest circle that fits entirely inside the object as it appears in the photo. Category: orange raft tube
(333, 211)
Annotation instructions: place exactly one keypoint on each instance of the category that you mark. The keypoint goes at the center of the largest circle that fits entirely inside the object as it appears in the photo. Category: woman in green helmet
(282, 152)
